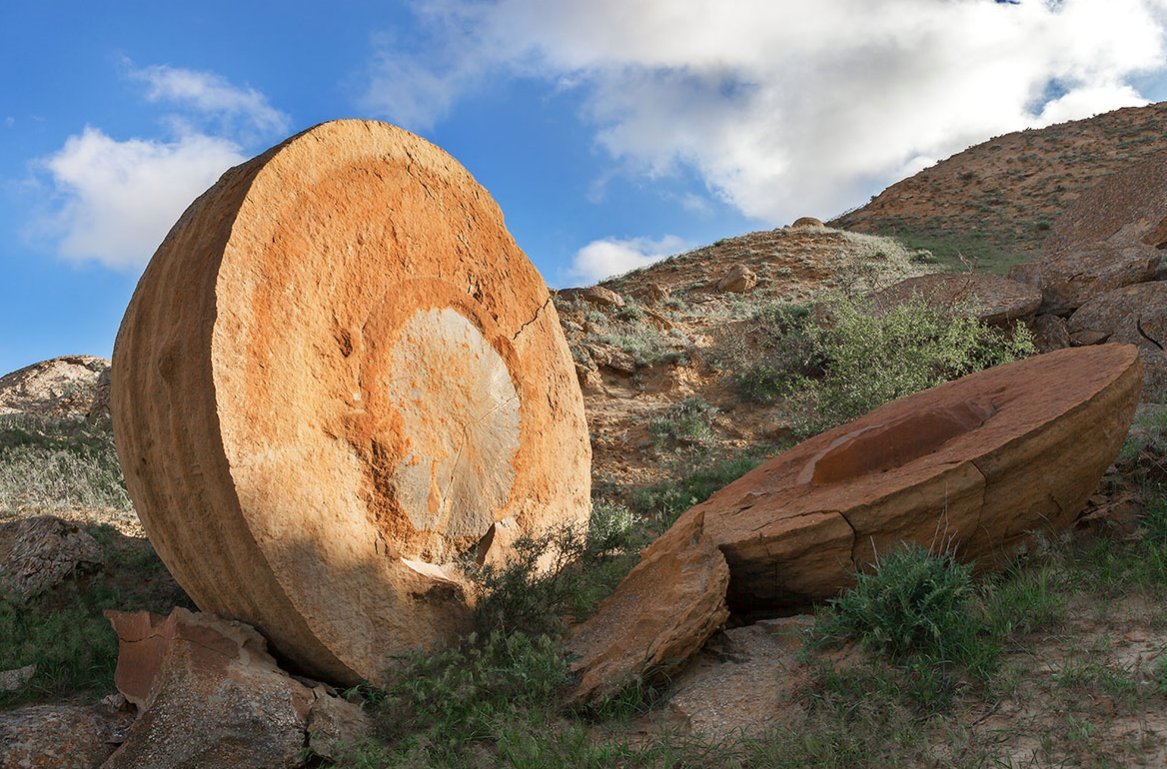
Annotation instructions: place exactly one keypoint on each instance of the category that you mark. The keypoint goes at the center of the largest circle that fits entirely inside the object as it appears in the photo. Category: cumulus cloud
(787, 108)
(115, 200)
(211, 96)
(119, 198)
(611, 256)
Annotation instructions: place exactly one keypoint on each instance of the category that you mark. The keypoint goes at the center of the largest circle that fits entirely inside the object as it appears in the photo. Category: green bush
(665, 501)
(687, 423)
(869, 359)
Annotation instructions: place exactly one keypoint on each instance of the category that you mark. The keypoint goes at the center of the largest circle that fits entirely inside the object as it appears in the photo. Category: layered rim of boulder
(338, 375)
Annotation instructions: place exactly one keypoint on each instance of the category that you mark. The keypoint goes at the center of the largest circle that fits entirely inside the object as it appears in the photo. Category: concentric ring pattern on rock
(337, 376)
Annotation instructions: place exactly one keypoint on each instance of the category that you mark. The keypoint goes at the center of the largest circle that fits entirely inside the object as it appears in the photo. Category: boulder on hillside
(38, 553)
(1129, 206)
(739, 280)
(658, 617)
(60, 736)
(992, 299)
(209, 695)
(1132, 315)
(597, 295)
(60, 388)
(807, 221)
(975, 465)
(336, 376)
(1070, 279)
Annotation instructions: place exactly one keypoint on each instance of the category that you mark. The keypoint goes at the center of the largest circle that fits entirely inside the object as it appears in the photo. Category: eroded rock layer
(974, 466)
(336, 376)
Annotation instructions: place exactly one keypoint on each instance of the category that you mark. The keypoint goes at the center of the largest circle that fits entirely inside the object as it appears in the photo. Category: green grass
(687, 423)
(58, 464)
(957, 251)
(63, 631)
(667, 500)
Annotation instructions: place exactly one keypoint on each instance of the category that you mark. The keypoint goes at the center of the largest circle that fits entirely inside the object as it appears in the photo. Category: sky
(611, 133)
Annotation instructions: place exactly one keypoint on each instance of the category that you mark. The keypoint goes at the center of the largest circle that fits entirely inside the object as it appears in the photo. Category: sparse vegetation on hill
(992, 204)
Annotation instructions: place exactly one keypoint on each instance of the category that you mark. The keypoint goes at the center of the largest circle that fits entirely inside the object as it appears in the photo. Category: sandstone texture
(658, 617)
(60, 736)
(336, 375)
(1050, 332)
(992, 299)
(1068, 280)
(1133, 315)
(209, 695)
(974, 465)
(807, 221)
(38, 553)
(1128, 206)
(597, 295)
(742, 681)
(66, 387)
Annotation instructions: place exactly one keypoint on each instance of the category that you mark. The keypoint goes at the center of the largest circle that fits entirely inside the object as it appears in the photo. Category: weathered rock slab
(60, 736)
(38, 553)
(992, 299)
(658, 617)
(1131, 315)
(209, 695)
(975, 465)
(739, 280)
(336, 375)
(1050, 333)
(1070, 279)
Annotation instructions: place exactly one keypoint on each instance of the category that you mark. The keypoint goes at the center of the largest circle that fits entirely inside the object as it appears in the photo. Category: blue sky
(611, 133)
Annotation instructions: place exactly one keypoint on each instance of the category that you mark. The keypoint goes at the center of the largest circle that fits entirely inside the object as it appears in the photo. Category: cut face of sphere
(338, 377)
(463, 416)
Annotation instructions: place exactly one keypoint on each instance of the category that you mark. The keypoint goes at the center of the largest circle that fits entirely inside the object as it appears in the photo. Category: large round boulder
(973, 466)
(338, 377)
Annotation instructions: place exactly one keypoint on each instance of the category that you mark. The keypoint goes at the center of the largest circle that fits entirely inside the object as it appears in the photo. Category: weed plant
(688, 423)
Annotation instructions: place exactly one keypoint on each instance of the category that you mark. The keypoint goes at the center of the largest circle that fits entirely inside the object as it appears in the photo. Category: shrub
(870, 359)
(665, 501)
(687, 422)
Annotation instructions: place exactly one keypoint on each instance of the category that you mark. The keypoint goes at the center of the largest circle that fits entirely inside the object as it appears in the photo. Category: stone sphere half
(338, 376)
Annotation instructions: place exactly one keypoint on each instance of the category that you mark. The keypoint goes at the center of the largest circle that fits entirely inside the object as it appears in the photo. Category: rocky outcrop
(59, 736)
(1132, 315)
(336, 375)
(60, 388)
(807, 221)
(1050, 333)
(973, 465)
(1128, 206)
(1070, 279)
(209, 695)
(992, 299)
(658, 617)
(38, 553)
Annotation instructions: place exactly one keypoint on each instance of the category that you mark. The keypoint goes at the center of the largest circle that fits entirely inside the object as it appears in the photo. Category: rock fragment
(658, 617)
(1131, 315)
(38, 553)
(58, 736)
(739, 280)
(209, 695)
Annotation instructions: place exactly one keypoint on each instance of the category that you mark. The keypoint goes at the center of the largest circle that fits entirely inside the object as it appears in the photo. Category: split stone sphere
(338, 376)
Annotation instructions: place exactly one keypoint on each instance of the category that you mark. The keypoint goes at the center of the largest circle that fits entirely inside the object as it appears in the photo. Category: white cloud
(119, 198)
(604, 258)
(212, 96)
(787, 108)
